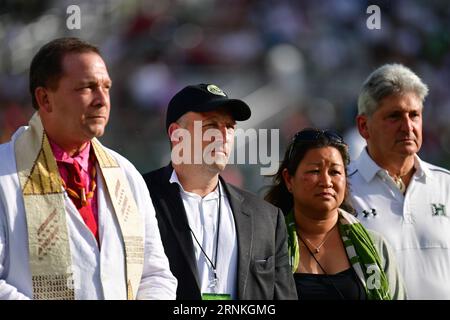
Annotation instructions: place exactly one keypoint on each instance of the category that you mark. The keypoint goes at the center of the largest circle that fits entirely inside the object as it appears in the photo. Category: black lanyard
(213, 265)
(326, 274)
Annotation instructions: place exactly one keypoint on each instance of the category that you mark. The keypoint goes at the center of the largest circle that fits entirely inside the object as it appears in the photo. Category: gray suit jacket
(263, 265)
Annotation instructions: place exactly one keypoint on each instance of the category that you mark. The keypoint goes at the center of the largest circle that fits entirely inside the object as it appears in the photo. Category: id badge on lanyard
(216, 296)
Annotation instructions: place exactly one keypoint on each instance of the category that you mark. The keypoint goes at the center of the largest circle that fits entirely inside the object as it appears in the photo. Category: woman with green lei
(332, 255)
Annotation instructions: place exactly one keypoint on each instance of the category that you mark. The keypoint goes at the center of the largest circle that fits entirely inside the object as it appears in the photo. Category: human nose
(101, 97)
(226, 134)
(407, 124)
(325, 180)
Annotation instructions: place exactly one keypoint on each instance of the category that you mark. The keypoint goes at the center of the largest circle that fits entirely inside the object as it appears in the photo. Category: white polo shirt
(417, 224)
(202, 215)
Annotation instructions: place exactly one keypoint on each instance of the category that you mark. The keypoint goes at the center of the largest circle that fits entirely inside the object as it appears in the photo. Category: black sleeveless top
(343, 285)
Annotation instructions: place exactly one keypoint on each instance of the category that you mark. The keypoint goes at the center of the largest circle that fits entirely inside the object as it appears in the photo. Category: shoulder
(252, 201)
(133, 175)
(354, 167)
(266, 219)
(437, 170)
(376, 237)
(123, 162)
(362, 166)
(158, 180)
(354, 178)
(380, 244)
(155, 174)
(245, 194)
(7, 156)
(382, 247)
(5, 149)
(439, 178)
(390, 266)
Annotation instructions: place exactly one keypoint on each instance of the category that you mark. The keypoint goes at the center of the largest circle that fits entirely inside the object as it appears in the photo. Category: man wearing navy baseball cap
(204, 98)
(222, 242)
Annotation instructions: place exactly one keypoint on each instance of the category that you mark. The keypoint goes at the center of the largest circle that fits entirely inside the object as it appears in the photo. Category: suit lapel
(243, 221)
(178, 221)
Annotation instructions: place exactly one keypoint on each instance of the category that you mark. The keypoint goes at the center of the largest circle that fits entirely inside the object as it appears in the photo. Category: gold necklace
(317, 248)
(399, 183)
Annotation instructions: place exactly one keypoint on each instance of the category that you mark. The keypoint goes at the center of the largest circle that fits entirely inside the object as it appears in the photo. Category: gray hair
(386, 80)
(183, 122)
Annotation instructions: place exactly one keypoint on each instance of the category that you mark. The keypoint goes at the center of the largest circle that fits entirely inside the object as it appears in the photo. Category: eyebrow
(320, 163)
(90, 81)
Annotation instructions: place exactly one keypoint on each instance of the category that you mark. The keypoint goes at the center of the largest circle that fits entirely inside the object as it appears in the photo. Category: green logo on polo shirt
(438, 209)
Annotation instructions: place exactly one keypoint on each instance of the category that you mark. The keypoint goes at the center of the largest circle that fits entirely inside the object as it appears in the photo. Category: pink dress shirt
(86, 166)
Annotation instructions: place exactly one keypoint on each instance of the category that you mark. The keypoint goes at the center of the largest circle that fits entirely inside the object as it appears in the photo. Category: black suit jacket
(263, 262)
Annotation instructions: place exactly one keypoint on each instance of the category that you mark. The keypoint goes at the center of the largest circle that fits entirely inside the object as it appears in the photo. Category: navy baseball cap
(203, 98)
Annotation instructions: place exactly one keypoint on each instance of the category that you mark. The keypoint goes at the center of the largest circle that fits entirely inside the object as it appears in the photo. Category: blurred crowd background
(297, 63)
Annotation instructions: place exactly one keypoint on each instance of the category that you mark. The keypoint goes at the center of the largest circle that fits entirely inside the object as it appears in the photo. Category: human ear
(174, 136)
(361, 122)
(41, 95)
(287, 179)
(172, 127)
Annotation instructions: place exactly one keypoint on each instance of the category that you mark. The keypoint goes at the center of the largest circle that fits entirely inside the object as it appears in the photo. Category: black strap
(312, 255)
(326, 274)
(213, 265)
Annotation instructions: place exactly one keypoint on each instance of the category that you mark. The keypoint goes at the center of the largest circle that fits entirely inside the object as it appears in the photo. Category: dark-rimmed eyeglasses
(312, 134)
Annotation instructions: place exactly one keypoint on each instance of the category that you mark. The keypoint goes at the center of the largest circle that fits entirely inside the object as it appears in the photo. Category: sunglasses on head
(311, 134)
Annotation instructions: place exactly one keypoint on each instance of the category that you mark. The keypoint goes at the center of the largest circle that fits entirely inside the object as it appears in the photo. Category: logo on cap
(215, 90)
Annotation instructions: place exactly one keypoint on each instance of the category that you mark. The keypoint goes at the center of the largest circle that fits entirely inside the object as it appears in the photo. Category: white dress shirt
(417, 224)
(202, 215)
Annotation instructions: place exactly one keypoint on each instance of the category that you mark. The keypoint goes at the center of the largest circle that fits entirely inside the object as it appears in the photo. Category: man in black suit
(222, 242)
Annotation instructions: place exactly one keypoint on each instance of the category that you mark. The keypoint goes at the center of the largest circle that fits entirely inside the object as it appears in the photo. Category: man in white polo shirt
(396, 193)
